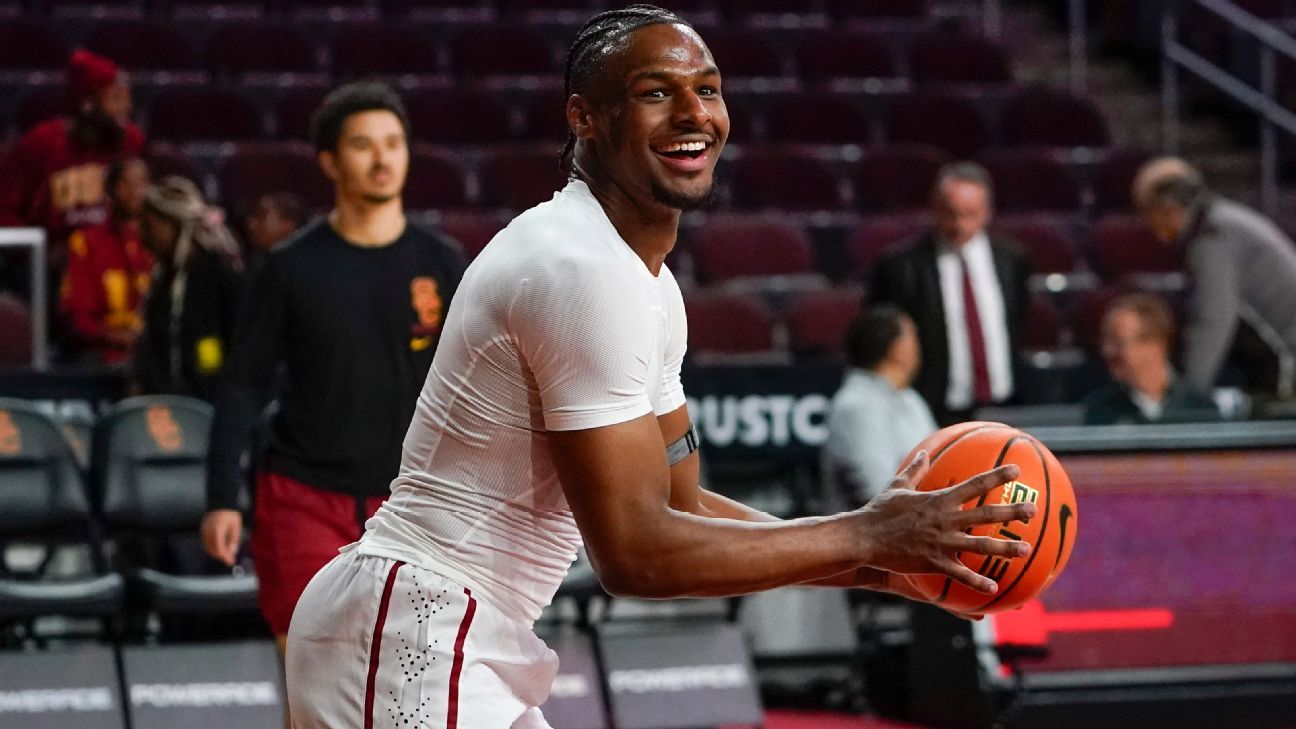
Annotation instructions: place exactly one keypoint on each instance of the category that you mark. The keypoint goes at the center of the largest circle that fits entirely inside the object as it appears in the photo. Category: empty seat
(41, 104)
(142, 45)
(293, 111)
(1043, 324)
(877, 10)
(828, 55)
(817, 321)
(436, 180)
(744, 53)
(816, 119)
(202, 115)
(256, 169)
(1114, 180)
(784, 180)
(728, 324)
(15, 331)
(878, 234)
(501, 51)
(1048, 241)
(457, 116)
(164, 160)
(949, 123)
(726, 248)
(43, 500)
(362, 49)
(1045, 117)
(473, 230)
(742, 10)
(1025, 182)
(897, 178)
(30, 45)
(942, 58)
(519, 179)
(1121, 245)
(545, 117)
(260, 46)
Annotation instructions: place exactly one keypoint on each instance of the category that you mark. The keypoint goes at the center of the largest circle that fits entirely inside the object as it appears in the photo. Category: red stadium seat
(294, 109)
(257, 169)
(783, 180)
(473, 230)
(1048, 240)
(728, 324)
(1027, 182)
(164, 159)
(817, 321)
(950, 123)
(261, 46)
(15, 331)
(1045, 117)
(501, 51)
(744, 10)
(876, 236)
(202, 114)
(833, 54)
(457, 116)
(28, 45)
(816, 119)
(897, 178)
(546, 117)
(726, 248)
(39, 104)
(744, 53)
(142, 45)
(519, 179)
(1043, 324)
(1115, 179)
(364, 49)
(1121, 245)
(436, 181)
(942, 58)
(872, 10)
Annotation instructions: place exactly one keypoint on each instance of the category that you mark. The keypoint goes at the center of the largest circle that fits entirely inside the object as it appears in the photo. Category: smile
(690, 156)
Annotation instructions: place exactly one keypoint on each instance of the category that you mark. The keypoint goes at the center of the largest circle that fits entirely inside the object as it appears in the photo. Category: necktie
(976, 340)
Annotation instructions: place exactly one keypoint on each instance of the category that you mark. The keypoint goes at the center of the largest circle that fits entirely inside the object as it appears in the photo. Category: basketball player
(553, 413)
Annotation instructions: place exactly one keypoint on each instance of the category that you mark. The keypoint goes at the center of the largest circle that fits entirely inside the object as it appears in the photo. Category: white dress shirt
(994, 325)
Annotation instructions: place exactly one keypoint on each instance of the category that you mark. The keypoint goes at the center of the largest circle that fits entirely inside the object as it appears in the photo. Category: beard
(685, 201)
(95, 130)
(379, 199)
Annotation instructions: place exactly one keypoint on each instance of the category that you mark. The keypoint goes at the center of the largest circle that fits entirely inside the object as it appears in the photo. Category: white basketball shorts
(377, 643)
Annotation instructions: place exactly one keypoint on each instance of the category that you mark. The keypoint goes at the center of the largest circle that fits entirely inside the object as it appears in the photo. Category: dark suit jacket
(908, 279)
(1112, 405)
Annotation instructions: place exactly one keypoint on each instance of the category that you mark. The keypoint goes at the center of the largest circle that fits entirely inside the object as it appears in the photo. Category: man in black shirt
(351, 308)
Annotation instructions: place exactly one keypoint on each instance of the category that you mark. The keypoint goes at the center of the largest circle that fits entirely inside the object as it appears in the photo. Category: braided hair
(596, 37)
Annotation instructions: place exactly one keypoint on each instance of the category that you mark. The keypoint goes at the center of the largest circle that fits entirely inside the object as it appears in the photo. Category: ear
(328, 163)
(580, 116)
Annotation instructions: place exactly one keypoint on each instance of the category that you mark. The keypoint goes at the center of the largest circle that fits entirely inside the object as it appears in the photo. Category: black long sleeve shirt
(354, 329)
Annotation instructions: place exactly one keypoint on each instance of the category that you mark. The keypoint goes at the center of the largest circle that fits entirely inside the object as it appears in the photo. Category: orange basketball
(961, 451)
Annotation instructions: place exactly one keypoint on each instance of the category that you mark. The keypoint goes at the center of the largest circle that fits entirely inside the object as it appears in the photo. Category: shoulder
(301, 245)
(134, 139)
(49, 133)
(433, 239)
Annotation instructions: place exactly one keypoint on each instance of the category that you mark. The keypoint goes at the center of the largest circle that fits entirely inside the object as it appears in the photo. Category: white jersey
(557, 325)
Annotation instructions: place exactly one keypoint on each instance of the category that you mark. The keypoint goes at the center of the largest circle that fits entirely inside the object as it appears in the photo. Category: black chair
(149, 471)
(43, 501)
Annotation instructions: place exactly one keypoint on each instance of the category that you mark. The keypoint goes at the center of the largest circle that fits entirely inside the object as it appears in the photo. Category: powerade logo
(757, 421)
(677, 679)
(190, 695)
(42, 701)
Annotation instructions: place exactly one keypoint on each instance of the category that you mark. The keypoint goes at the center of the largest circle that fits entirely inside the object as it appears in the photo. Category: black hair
(353, 98)
(117, 169)
(597, 36)
(871, 333)
(287, 204)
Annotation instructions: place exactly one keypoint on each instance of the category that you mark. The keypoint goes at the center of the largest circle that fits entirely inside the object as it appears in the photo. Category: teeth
(683, 147)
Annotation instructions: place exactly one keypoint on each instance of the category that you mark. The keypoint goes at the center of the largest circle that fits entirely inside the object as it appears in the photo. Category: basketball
(961, 451)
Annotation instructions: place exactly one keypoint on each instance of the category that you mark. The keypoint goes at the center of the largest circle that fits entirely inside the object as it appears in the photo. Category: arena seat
(545, 117)
(15, 331)
(39, 104)
(436, 180)
(1043, 329)
(471, 229)
(897, 177)
(518, 179)
(142, 45)
(27, 44)
(727, 248)
(1121, 245)
(165, 159)
(202, 115)
(878, 234)
(746, 11)
(261, 46)
(946, 58)
(256, 169)
(783, 180)
(1048, 240)
(1029, 182)
(834, 54)
(501, 51)
(1115, 178)
(816, 118)
(744, 54)
(817, 321)
(43, 501)
(149, 475)
(293, 111)
(950, 123)
(876, 10)
(364, 49)
(457, 116)
(1044, 117)
(728, 324)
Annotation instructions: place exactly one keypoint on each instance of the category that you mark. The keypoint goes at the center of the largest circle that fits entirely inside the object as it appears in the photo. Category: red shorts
(299, 528)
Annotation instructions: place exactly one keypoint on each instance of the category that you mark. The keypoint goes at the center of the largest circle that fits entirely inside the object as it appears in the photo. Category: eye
(654, 94)
(708, 91)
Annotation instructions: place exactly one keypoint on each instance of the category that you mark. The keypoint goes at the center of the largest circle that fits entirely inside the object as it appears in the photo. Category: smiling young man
(553, 414)
(351, 310)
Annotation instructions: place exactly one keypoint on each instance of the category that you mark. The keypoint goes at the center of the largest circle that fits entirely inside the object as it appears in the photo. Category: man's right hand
(922, 532)
(221, 530)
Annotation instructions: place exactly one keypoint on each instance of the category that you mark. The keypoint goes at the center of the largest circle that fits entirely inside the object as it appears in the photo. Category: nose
(691, 110)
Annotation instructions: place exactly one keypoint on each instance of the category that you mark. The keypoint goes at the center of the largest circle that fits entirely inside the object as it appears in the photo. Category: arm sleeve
(1212, 310)
(584, 336)
(81, 297)
(16, 184)
(255, 351)
(860, 457)
(672, 388)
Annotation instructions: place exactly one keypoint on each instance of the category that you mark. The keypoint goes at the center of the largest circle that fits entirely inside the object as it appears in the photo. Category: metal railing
(1175, 56)
(33, 239)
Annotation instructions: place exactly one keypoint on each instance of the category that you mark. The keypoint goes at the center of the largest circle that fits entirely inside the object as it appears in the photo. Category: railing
(1272, 40)
(34, 239)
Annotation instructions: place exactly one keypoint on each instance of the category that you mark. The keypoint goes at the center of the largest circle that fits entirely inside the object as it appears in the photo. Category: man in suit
(967, 294)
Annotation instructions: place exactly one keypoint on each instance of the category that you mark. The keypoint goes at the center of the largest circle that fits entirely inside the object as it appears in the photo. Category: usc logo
(163, 428)
(425, 298)
(10, 436)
